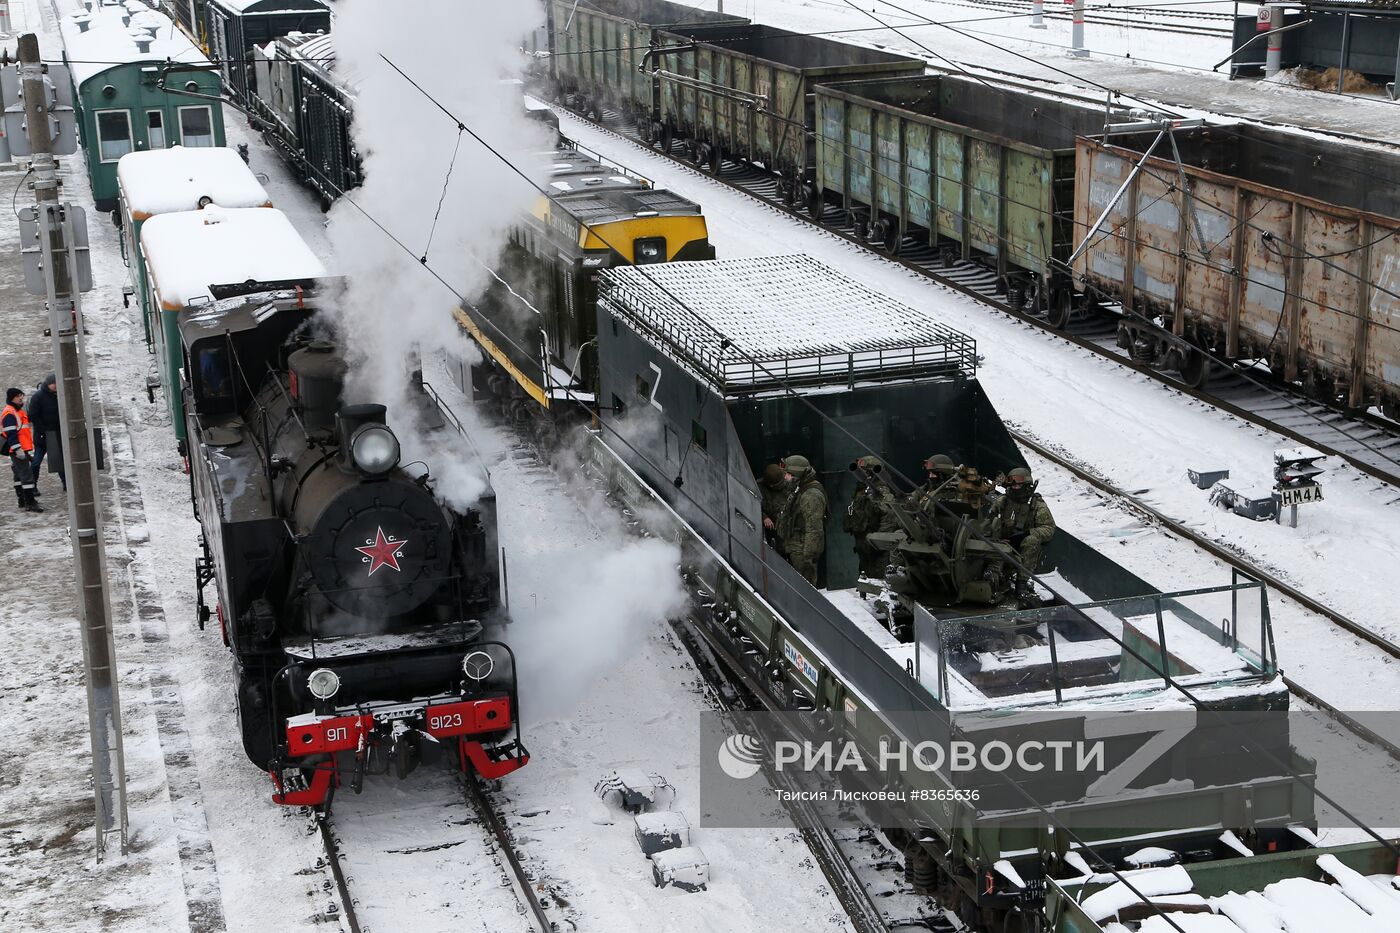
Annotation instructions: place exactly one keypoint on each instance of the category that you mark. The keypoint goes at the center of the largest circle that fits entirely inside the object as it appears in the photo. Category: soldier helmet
(773, 475)
(797, 465)
(942, 463)
(869, 462)
(1018, 476)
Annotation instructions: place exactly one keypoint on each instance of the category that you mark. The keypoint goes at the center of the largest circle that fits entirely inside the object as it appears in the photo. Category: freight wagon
(597, 54)
(745, 92)
(702, 383)
(235, 27)
(1285, 252)
(975, 172)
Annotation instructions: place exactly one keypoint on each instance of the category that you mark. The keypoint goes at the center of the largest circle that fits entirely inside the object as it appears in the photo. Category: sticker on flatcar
(805, 667)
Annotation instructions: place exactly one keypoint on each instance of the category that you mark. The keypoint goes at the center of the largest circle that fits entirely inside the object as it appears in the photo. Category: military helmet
(869, 462)
(1018, 476)
(797, 465)
(773, 475)
(942, 463)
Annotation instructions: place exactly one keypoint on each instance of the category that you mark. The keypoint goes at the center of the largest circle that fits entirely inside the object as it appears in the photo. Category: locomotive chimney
(317, 377)
(351, 417)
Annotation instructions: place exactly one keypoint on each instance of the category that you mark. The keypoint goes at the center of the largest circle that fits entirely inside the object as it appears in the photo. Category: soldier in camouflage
(941, 486)
(775, 486)
(802, 522)
(869, 511)
(1022, 519)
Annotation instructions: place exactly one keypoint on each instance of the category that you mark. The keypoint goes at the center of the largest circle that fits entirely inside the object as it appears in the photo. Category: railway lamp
(374, 449)
(478, 666)
(323, 683)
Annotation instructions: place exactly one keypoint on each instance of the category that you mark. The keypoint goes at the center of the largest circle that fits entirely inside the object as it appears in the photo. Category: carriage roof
(192, 252)
(163, 181)
(109, 43)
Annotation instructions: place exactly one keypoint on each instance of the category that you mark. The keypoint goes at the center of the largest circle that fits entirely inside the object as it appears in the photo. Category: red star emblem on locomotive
(383, 551)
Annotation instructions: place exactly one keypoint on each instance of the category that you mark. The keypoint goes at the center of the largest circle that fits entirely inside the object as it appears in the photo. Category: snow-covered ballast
(709, 371)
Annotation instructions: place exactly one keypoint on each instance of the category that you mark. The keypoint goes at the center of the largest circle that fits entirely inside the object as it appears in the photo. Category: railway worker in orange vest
(17, 442)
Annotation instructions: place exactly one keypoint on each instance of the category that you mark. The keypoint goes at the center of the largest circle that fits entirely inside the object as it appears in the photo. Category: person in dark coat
(43, 415)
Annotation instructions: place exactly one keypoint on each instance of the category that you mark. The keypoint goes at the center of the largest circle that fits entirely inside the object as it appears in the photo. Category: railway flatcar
(115, 56)
(193, 259)
(539, 334)
(1348, 887)
(358, 608)
(166, 181)
(709, 371)
(235, 28)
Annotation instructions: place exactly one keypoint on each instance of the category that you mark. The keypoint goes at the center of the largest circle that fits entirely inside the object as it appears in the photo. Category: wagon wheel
(894, 240)
(1061, 308)
(716, 159)
(1196, 371)
(644, 130)
(860, 224)
(668, 136)
(815, 204)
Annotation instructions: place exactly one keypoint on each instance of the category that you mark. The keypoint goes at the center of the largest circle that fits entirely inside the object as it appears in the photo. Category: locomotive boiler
(359, 609)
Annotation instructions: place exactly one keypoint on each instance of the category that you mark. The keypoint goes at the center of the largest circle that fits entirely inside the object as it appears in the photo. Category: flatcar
(358, 608)
(709, 371)
(539, 335)
(1004, 183)
(166, 181)
(189, 259)
(115, 56)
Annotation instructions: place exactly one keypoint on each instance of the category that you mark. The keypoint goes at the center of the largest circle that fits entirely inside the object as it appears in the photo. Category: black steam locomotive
(359, 609)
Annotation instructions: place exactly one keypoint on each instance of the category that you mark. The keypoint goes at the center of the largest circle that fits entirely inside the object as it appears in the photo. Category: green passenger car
(119, 107)
(166, 181)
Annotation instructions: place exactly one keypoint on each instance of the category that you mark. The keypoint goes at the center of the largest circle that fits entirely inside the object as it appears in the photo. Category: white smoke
(465, 56)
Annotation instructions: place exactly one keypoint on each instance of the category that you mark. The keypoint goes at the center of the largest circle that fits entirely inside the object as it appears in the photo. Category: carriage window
(113, 134)
(155, 129)
(196, 126)
(214, 373)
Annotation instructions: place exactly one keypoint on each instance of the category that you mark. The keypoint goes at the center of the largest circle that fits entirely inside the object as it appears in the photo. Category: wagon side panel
(1328, 292)
(1208, 295)
(950, 171)
(1027, 209)
(1100, 174)
(831, 145)
(1382, 351)
(984, 202)
(1156, 243)
(918, 173)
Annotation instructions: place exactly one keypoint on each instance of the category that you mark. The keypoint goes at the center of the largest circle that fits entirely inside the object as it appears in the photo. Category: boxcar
(979, 172)
(195, 258)
(598, 53)
(1286, 252)
(746, 91)
(166, 181)
(234, 27)
(115, 59)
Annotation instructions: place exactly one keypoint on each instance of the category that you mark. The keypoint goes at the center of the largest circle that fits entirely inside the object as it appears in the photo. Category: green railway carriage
(745, 91)
(973, 171)
(167, 181)
(194, 259)
(115, 58)
(709, 371)
(598, 49)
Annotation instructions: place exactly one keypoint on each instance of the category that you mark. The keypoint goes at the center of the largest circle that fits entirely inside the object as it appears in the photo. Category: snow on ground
(1171, 68)
(1136, 432)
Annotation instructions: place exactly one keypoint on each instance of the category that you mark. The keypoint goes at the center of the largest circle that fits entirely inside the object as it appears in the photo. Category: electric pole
(58, 228)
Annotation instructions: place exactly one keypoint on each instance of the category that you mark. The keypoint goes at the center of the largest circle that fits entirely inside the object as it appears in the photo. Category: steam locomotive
(359, 609)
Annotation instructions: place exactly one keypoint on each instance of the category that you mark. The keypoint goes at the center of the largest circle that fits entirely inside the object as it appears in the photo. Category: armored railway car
(708, 371)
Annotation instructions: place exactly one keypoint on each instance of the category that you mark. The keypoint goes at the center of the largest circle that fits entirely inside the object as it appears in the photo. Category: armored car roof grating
(746, 325)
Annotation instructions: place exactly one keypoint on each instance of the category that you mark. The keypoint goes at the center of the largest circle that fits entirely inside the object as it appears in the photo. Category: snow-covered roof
(752, 324)
(272, 6)
(163, 181)
(109, 42)
(191, 251)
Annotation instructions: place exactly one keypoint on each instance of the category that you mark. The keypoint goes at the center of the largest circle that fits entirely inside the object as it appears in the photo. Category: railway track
(386, 856)
(1371, 445)
(1096, 14)
(1250, 569)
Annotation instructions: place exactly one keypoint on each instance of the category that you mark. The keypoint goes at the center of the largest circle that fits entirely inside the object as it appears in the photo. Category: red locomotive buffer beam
(357, 733)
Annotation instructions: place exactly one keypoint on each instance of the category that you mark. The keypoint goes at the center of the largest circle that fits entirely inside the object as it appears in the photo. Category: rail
(342, 886)
(520, 881)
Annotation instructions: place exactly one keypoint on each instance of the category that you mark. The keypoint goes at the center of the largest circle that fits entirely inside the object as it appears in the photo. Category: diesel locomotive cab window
(155, 129)
(196, 126)
(649, 250)
(113, 134)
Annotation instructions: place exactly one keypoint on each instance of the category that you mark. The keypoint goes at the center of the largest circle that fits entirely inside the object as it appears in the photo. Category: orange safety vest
(26, 433)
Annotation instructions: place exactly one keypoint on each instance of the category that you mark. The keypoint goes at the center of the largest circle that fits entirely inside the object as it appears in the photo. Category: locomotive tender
(358, 608)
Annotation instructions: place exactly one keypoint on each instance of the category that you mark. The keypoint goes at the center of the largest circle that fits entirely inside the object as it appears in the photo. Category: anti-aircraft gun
(940, 555)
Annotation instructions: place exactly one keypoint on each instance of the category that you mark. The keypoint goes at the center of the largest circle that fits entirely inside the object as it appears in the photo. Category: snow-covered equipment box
(657, 832)
(687, 868)
(636, 790)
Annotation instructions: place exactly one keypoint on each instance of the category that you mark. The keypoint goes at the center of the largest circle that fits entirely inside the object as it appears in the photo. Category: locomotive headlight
(323, 683)
(374, 449)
